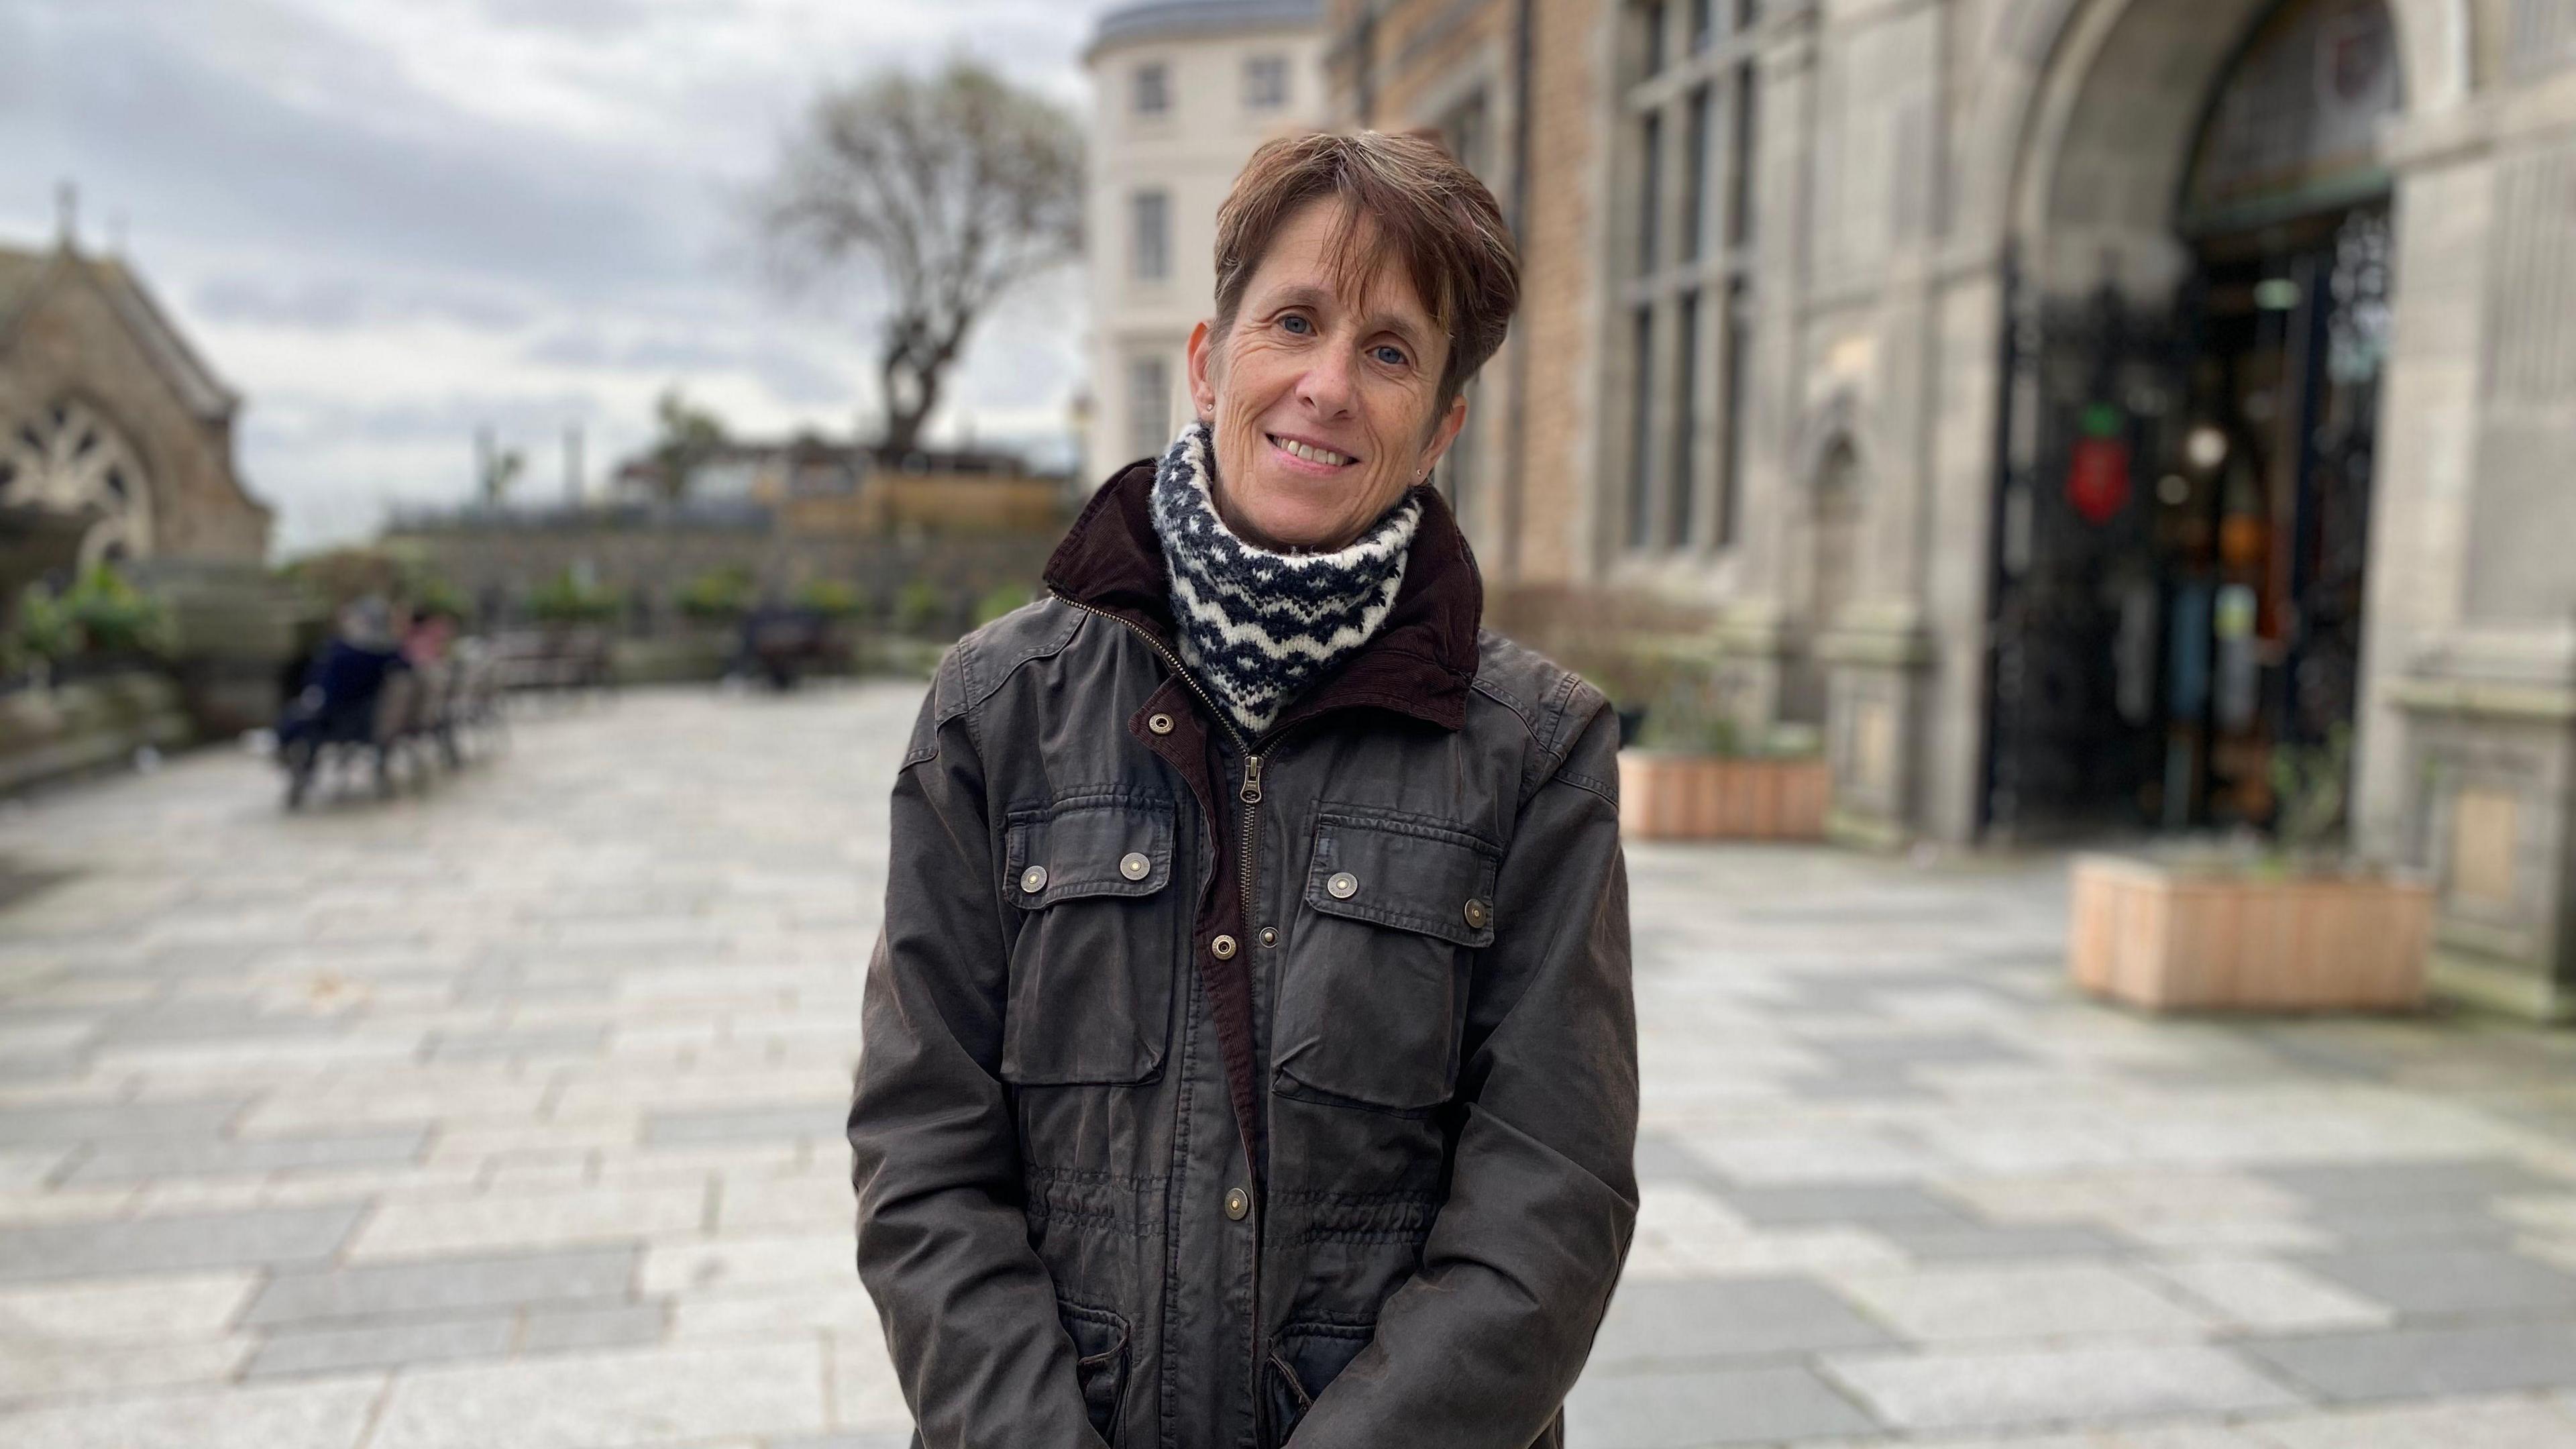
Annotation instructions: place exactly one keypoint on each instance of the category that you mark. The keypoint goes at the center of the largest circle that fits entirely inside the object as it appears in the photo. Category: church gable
(106, 409)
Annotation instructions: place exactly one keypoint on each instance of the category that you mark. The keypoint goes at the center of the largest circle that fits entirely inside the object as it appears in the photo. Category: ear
(1202, 371)
(1443, 433)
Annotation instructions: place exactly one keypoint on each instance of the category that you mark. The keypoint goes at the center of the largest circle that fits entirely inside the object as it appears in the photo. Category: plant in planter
(568, 599)
(100, 624)
(1691, 776)
(2298, 926)
(718, 596)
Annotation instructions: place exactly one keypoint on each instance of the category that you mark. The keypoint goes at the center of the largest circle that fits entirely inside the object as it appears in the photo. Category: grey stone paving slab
(449, 1285)
(227, 1019)
(266, 1237)
(1770, 1405)
(718, 1126)
(1942, 1243)
(556, 1330)
(1677, 1320)
(2449, 1279)
(139, 1161)
(2387, 1221)
(2017, 1388)
(483, 1046)
(2411, 1362)
(1857, 1202)
(45, 1126)
(1967, 1048)
(350, 1347)
(2475, 1177)
(845, 1441)
(1663, 1159)
(1859, 1086)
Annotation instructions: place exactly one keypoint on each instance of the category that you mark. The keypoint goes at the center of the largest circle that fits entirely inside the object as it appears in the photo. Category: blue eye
(1391, 356)
(1296, 324)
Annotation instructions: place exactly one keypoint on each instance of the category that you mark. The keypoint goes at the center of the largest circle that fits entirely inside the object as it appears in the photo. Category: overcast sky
(387, 221)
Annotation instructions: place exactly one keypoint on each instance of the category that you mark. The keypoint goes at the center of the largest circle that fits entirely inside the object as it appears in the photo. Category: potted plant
(2297, 926)
(1689, 773)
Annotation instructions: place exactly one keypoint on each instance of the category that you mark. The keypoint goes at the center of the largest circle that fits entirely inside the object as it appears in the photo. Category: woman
(1249, 1055)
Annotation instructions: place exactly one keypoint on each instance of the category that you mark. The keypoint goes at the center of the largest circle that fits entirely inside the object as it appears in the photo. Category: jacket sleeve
(1480, 1347)
(969, 1310)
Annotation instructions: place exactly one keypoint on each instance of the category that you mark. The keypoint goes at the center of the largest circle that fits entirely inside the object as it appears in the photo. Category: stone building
(105, 409)
(1182, 91)
(2077, 408)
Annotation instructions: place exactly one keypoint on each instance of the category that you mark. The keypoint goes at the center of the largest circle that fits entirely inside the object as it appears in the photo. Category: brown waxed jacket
(1228, 1094)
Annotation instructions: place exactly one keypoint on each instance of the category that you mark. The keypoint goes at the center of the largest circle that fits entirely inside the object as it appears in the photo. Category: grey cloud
(338, 304)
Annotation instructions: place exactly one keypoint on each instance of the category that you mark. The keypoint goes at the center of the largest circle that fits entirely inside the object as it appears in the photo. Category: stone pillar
(2466, 756)
(1879, 675)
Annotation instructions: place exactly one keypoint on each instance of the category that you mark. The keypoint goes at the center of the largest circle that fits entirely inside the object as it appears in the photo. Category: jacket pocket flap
(1099, 845)
(1399, 871)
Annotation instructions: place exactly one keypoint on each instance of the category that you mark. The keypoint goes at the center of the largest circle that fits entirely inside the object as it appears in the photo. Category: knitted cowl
(1257, 626)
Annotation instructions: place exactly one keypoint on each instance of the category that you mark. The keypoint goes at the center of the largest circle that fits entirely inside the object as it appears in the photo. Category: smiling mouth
(1307, 452)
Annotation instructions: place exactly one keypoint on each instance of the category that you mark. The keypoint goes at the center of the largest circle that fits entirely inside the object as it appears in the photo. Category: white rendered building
(1182, 91)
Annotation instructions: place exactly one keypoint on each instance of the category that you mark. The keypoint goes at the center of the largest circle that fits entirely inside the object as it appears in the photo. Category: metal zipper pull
(1251, 780)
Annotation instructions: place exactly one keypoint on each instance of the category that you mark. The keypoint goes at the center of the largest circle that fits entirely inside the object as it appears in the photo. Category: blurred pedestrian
(1249, 1054)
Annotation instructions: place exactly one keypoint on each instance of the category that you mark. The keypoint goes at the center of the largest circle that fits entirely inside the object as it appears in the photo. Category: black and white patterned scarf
(1257, 626)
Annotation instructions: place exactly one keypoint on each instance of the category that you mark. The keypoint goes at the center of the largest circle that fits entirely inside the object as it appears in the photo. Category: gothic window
(67, 457)
(1689, 132)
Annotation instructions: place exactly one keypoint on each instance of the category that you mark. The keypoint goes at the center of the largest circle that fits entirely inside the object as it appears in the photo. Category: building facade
(1182, 92)
(109, 415)
(2094, 415)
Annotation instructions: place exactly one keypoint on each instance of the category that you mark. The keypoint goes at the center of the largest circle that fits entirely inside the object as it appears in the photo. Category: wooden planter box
(2180, 937)
(1720, 797)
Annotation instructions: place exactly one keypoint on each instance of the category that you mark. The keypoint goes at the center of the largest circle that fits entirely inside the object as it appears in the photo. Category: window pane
(1153, 89)
(1743, 155)
(1641, 468)
(1152, 254)
(1655, 38)
(1265, 82)
(1695, 182)
(1650, 214)
(1149, 406)
(1686, 405)
(1700, 25)
(1737, 352)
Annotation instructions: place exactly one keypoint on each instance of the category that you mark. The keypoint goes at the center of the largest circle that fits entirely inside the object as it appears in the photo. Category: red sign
(2097, 478)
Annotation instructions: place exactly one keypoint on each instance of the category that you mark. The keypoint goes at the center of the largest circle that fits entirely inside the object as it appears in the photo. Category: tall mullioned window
(1692, 110)
(1149, 252)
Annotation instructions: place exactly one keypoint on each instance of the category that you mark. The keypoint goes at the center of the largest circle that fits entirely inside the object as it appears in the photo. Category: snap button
(1237, 1203)
(1134, 866)
(1222, 948)
(1343, 885)
(1160, 724)
(1270, 935)
(1478, 913)
(1033, 880)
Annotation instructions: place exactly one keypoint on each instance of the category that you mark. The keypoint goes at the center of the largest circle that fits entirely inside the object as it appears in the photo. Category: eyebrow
(1304, 294)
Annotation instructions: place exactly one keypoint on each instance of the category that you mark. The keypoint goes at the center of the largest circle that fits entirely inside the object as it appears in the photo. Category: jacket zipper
(1249, 793)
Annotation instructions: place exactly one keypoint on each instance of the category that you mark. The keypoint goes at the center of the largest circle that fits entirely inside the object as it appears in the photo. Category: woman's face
(1323, 398)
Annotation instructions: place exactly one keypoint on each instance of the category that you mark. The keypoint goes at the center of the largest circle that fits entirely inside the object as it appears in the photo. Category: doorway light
(2276, 294)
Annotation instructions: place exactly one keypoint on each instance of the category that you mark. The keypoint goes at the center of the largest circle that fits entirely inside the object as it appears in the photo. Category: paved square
(508, 1114)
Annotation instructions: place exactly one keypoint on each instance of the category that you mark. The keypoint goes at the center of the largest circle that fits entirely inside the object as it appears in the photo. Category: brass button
(1134, 866)
(1222, 948)
(1237, 1203)
(1342, 886)
(1478, 913)
(1270, 935)
(1160, 724)
(1033, 880)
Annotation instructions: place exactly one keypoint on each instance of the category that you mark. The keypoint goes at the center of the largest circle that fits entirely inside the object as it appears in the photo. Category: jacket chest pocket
(1373, 988)
(1091, 968)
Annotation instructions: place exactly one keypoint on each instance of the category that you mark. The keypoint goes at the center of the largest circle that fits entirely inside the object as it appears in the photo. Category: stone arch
(69, 456)
(2048, 55)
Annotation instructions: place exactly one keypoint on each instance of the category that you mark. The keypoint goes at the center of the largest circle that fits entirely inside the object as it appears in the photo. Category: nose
(1327, 386)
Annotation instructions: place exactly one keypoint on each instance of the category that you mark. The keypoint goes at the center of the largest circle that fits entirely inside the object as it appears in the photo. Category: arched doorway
(2195, 335)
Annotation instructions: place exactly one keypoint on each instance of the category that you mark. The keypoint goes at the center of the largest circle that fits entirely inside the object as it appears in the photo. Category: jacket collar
(1420, 664)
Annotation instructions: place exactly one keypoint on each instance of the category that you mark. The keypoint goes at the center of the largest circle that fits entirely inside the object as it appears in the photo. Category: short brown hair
(1401, 191)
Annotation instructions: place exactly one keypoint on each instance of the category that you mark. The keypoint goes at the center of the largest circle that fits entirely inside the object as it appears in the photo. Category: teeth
(1311, 454)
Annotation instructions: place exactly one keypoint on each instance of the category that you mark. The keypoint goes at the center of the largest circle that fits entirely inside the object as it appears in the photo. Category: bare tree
(688, 437)
(951, 189)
